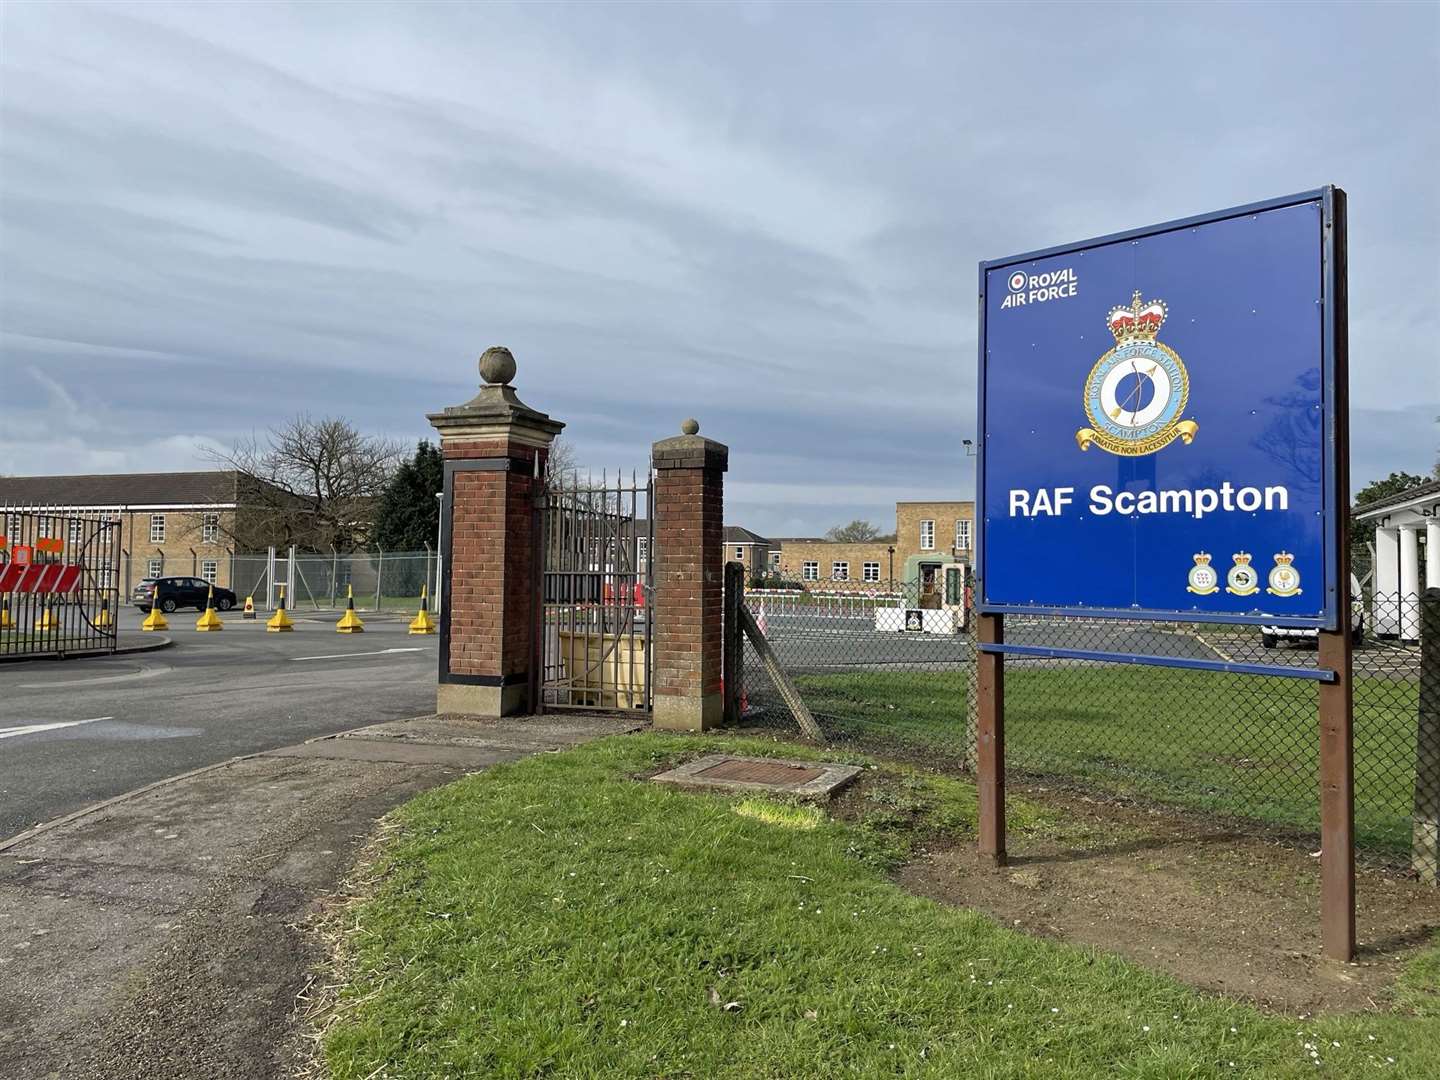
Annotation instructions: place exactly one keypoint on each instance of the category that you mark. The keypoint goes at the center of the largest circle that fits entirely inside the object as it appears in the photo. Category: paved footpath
(157, 935)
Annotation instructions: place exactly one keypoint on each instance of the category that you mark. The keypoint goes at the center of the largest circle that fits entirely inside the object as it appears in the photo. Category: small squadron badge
(1284, 578)
(1242, 579)
(1136, 392)
(1203, 578)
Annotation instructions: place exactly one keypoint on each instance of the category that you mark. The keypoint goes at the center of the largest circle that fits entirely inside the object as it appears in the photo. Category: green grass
(556, 918)
(1234, 744)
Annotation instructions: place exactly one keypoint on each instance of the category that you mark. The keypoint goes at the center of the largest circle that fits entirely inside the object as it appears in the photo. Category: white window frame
(157, 528)
(739, 552)
(927, 535)
(962, 534)
(810, 570)
(209, 570)
(42, 527)
(75, 533)
(840, 570)
(12, 528)
(870, 571)
(775, 560)
(642, 550)
(156, 568)
(209, 528)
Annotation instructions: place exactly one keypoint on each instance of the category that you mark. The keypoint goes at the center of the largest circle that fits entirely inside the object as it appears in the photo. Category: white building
(1399, 520)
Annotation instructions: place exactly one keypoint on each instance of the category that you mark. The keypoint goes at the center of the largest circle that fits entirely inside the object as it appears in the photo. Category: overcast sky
(767, 216)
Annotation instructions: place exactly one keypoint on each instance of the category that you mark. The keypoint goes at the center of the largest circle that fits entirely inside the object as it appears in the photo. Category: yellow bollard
(349, 622)
(155, 620)
(208, 619)
(47, 623)
(106, 616)
(422, 623)
(6, 622)
(249, 612)
(279, 623)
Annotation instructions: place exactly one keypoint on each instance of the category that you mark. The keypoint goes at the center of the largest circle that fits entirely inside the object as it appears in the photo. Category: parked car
(1270, 636)
(178, 592)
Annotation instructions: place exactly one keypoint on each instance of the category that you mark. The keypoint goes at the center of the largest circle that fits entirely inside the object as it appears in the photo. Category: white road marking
(146, 672)
(348, 655)
(31, 729)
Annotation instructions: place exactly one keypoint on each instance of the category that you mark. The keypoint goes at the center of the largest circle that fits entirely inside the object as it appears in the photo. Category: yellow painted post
(423, 623)
(209, 620)
(349, 622)
(279, 623)
(155, 620)
(106, 616)
(6, 622)
(47, 621)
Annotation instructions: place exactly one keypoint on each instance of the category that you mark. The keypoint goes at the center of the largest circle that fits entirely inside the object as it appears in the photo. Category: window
(775, 560)
(739, 553)
(839, 571)
(927, 536)
(42, 529)
(12, 528)
(962, 534)
(209, 570)
(210, 529)
(157, 567)
(102, 579)
(872, 571)
(75, 526)
(157, 528)
(810, 571)
(642, 550)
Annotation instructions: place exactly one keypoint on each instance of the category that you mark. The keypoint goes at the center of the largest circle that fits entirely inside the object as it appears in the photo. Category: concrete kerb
(143, 645)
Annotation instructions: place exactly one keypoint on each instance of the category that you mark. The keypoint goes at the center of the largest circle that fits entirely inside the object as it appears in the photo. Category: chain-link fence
(380, 580)
(893, 671)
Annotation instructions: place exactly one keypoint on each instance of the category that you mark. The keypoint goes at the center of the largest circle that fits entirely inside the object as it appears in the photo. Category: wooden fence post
(1425, 846)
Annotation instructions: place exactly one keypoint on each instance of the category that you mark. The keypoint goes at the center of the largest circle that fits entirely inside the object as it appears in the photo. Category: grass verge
(1244, 745)
(554, 917)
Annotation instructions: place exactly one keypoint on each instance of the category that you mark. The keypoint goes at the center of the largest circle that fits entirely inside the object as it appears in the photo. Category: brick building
(928, 536)
(170, 522)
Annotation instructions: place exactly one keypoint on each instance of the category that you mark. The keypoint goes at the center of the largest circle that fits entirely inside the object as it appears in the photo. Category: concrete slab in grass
(805, 779)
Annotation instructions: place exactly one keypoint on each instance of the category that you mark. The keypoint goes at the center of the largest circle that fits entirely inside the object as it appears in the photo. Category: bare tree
(857, 531)
(311, 483)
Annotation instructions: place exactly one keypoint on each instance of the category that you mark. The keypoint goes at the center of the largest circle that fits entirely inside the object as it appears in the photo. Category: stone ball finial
(690, 426)
(497, 365)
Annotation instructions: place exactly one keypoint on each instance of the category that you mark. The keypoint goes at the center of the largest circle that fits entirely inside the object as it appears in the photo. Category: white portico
(1400, 522)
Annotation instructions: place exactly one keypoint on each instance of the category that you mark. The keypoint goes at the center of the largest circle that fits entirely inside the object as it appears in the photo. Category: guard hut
(1400, 521)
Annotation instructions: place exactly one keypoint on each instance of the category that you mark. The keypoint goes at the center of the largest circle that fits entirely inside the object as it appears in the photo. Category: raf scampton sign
(1157, 437)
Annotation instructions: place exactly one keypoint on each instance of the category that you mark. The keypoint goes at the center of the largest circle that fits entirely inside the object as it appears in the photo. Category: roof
(1419, 493)
(121, 489)
(735, 534)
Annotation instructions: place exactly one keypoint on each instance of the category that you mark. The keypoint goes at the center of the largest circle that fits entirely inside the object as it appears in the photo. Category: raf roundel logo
(1017, 281)
(1136, 392)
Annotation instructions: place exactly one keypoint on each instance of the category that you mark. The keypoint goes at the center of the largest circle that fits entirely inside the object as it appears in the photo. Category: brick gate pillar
(689, 599)
(495, 447)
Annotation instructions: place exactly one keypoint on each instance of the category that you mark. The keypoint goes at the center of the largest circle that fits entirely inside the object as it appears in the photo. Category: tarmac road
(75, 732)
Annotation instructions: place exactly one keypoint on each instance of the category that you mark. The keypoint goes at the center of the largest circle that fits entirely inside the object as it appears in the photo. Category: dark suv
(178, 592)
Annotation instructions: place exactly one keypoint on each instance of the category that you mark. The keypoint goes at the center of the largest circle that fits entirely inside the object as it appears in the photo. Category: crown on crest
(1242, 558)
(1202, 558)
(1141, 321)
(1284, 558)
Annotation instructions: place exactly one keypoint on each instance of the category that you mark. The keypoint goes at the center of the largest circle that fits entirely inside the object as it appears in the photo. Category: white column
(1386, 615)
(1432, 553)
(1410, 582)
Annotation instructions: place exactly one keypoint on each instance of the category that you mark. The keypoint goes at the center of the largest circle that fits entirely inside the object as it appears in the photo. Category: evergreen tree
(407, 515)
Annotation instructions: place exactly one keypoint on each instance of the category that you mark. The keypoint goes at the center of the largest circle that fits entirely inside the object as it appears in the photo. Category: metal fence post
(733, 653)
(1425, 845)
(990, 772)
(379, 575)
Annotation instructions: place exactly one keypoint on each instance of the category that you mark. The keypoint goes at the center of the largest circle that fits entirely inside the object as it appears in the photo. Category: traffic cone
(209, 620)
(6, 622)
(422, 623)
(349, 622)
(155, 620)
(249, 612)
(279, 623)
(47, 621)
(106, 616)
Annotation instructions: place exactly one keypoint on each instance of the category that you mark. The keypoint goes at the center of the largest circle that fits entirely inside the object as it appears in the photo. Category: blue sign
(1155, 418)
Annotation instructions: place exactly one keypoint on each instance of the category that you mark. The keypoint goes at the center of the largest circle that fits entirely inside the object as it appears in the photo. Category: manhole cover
(803, 778)
(774, 773)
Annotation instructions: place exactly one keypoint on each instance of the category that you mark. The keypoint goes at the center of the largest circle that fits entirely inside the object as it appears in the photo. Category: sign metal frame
(1334, 502)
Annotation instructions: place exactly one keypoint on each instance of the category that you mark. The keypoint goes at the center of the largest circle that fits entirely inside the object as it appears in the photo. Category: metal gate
(595, 593)
(59, 581)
